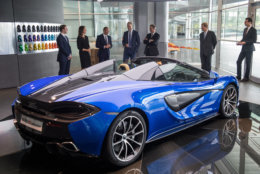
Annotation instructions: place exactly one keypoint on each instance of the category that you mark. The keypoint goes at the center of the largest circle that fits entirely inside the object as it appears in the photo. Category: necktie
(247, 30)
(129, 38)
(106, 39)
(205, 34)
(66, 38)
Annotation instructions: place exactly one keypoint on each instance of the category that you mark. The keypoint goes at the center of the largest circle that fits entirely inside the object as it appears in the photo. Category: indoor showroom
(130, 86)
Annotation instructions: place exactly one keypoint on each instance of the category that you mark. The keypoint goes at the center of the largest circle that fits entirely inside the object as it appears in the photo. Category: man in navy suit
(104, 43)
(151, 41)
(131, 43)
(208, 42)
(247, 42)
(64, 54)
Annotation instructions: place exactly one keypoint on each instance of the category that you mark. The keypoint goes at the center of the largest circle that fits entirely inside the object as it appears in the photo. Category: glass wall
(185, 18)
(256, 55)
(95, 16)
(231, 32)
(233, 23)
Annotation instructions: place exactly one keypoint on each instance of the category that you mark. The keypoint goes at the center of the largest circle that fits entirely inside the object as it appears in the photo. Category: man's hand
(151, 40)
(70, 57)
(241, 43)
(86, 50)
(107, 46)
(126, 45)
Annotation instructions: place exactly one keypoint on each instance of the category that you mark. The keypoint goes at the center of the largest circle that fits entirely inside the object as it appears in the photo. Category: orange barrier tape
(177, 48)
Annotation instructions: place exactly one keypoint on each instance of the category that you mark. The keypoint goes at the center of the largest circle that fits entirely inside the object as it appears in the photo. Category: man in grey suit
(247, 42)
(208, 42)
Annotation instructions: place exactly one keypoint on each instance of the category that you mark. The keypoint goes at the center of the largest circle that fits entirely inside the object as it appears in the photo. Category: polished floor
(216, 146)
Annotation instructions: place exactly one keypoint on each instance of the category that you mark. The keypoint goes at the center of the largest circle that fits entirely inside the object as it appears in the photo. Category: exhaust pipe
(69, 146)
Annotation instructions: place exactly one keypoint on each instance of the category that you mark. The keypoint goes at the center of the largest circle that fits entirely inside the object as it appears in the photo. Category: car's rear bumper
(84, 136)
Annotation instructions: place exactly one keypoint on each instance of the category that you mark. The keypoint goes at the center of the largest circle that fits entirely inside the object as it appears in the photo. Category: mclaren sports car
(111, 111)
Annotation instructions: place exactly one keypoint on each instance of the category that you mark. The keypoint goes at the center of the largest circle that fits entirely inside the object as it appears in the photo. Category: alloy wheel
(128, 138)
(230, 101)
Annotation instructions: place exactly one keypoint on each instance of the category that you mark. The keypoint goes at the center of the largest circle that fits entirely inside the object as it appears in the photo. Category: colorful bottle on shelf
(43, 46)
(42, 37)
(39, 46)
(50, 45)
(26, 48)
(19, 28)
(20, 48)
(20, 38)
(38, 38)
(46, 46)
(34, 47)
(25, 38)
(55, 45)
(30, 47)
(34, 38)
(29, 38)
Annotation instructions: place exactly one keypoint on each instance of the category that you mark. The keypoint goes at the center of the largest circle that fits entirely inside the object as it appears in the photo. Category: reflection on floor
(216, 146)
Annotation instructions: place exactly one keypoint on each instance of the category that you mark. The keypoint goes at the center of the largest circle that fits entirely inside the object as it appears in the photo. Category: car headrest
(159, 63)
(124, 67)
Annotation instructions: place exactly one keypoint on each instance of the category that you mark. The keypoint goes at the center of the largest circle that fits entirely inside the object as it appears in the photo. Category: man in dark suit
(131, 43)
(208, 42)
(151, 42)
(64, 54)
(247, 42)
(104, 43)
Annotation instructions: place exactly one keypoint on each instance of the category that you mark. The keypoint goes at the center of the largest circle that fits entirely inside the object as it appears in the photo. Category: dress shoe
(238, 78)
(244, 80)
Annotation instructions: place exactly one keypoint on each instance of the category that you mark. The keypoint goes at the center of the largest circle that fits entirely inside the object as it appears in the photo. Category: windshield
(178, 73)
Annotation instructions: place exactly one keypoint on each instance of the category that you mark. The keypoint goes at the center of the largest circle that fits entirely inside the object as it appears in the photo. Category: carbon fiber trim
(179, 101)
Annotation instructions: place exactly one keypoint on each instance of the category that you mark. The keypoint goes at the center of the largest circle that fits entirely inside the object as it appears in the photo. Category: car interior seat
(124, 67)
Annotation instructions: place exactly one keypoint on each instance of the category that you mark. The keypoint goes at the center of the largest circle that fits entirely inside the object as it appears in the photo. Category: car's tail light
(72, 110)
(67, 110)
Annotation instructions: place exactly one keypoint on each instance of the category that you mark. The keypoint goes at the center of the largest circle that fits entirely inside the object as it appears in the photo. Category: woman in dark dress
(83, 46)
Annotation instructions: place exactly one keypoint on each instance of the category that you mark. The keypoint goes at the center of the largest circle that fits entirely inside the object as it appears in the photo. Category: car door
(193, 95)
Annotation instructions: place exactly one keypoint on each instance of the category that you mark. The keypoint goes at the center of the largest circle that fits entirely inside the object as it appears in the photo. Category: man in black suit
(208, 42)
(151, 42)
(131, 43)
(64, 54)
(247, 42)
(104, 43)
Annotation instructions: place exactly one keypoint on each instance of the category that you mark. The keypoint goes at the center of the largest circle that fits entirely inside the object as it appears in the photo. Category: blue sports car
(112, 112)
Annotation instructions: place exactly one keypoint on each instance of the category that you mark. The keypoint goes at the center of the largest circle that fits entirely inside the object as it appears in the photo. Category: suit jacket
(208, 44)
(250, 38)
(100, 43)
(151, 48)
(135, 40)
(64, 48)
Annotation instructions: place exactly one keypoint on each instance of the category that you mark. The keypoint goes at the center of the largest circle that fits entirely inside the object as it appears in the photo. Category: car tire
(125, 139)
(229, 102)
